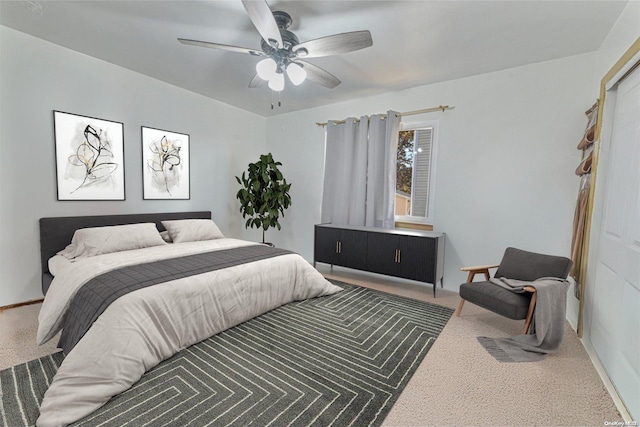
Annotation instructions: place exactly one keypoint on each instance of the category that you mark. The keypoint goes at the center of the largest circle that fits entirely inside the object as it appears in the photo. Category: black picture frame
(166, 165)
(89, 157)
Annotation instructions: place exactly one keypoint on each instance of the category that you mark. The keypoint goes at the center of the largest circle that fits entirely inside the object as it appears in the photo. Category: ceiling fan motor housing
(283, 19)
(282, 55)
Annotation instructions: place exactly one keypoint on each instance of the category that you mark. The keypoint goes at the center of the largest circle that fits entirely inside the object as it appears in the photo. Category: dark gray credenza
(409, 254)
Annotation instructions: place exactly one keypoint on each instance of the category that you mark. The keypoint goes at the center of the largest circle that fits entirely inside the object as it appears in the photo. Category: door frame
(627, 63)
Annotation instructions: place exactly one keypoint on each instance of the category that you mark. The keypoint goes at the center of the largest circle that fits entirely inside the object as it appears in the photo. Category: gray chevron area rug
(338, 360)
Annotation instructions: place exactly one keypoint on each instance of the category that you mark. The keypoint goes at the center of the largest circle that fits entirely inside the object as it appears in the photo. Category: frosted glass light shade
(277, 82)
(296, 73)
(266, 68)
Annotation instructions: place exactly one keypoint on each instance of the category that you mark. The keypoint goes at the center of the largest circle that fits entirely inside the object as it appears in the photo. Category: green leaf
(263, 195)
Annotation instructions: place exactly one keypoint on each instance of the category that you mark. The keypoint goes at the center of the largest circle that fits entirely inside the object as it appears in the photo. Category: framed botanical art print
(165, 164)
(89, 157)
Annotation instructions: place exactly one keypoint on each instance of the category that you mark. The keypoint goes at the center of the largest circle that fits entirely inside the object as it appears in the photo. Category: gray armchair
(516, 264)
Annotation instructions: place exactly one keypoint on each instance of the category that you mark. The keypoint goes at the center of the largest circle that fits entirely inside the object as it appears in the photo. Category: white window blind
(414, 188)
(421, 172)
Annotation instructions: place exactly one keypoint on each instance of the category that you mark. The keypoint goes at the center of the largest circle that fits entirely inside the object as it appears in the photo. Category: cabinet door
(417, 258)
(353, 249)
(382, 253)
(326, 245)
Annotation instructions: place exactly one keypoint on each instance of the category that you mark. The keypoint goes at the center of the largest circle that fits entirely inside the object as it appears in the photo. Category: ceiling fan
(283, 52)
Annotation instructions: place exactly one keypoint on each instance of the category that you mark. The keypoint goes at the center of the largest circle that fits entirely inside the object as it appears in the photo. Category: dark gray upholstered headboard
(56, 233)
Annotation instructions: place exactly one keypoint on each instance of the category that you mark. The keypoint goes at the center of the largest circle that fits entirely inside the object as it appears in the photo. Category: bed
(123, 311)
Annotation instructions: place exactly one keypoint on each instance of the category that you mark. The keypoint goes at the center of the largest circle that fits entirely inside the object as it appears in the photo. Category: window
(415, 172)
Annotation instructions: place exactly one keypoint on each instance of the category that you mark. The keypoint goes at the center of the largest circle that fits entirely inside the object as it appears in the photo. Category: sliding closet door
(615, 327)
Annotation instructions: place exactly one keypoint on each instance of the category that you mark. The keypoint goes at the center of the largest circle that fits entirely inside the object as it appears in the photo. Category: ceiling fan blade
(257, 81)
(222, 47)
(263, 20)
(335, 44)
(320, 76)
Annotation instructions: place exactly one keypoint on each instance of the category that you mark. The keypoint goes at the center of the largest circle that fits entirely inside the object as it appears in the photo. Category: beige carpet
(457, 384)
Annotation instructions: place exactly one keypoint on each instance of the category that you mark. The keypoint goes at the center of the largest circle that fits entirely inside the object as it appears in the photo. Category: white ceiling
(414, 42)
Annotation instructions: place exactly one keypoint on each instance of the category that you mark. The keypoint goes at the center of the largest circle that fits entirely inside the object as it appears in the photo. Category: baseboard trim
(624, 412)
(21, 304)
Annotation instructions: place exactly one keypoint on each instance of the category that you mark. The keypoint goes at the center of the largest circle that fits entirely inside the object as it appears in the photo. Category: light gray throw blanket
(547, 330)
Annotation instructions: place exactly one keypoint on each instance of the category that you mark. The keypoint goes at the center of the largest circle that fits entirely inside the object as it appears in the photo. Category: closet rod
(407, 113)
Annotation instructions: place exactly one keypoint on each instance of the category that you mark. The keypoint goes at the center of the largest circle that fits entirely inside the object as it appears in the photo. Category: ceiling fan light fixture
(266, 68)
(276, 82)
(296, 73)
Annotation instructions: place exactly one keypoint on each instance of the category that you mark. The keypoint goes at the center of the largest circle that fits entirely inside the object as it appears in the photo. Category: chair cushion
(499, 300)
(522, 265)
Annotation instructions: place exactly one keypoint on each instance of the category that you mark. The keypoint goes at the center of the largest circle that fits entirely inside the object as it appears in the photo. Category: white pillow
(192, 230)
(93, 241)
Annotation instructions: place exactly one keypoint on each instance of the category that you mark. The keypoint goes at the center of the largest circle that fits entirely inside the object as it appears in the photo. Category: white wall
(38, 77)
(624, 33)
(505, 167)
(505, 162)
(620, 38)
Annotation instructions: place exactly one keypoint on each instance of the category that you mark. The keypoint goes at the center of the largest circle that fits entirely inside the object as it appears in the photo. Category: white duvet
(142, 328)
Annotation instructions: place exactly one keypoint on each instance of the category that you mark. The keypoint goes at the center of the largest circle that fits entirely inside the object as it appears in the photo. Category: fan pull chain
(272, 101)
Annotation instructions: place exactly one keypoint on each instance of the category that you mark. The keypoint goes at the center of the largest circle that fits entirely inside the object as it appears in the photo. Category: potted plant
(264, 195)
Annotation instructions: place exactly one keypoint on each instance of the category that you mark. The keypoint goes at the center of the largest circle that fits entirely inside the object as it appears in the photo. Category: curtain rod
(408, 113)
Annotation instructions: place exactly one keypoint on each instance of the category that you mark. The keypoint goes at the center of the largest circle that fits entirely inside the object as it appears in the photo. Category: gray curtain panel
(360, 171)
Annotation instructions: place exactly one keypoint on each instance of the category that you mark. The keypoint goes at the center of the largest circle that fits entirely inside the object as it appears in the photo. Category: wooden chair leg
(459, 310)
(527, 320)
(470, 277)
